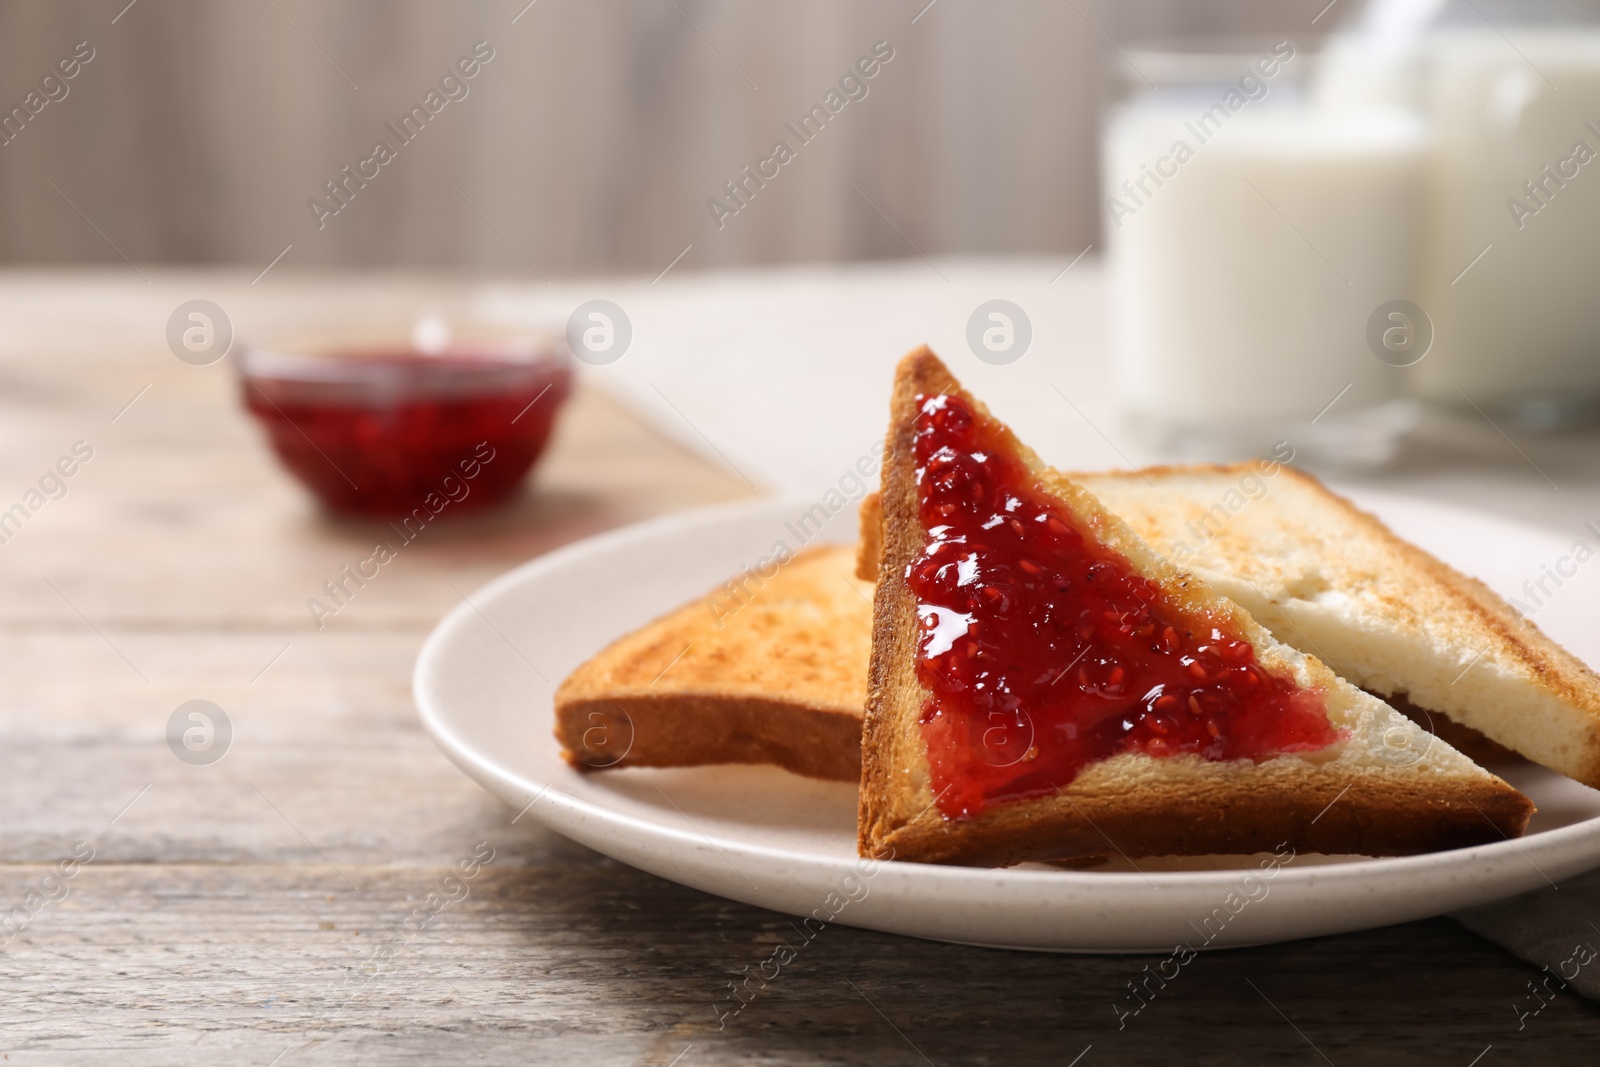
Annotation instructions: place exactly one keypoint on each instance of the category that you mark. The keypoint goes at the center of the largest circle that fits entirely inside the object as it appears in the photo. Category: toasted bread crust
(1556, 695)
(768, 669)
(1138, 804)
(1127, 807)
(690, 729)
(870, 547)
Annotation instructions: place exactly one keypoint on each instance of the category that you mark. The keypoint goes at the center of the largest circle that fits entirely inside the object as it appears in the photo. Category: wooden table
(231, 913)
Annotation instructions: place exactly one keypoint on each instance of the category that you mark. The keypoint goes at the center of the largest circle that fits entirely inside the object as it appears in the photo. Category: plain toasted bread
(1330, 579)
(765, 670)
(1385, 787)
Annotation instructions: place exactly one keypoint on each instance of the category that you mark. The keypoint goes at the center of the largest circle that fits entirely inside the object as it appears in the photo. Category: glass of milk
(1264, 262)
(1512, 248)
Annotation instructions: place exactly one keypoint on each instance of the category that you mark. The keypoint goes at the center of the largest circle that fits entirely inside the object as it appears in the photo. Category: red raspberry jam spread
(380, 433)
(1044, 651)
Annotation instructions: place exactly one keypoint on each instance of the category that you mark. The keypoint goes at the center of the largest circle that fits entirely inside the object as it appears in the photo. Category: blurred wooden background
(590, 143)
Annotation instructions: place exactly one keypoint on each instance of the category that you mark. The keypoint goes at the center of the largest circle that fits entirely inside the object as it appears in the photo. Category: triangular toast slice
(1327, 578)
(1044, 686)
(769, 668)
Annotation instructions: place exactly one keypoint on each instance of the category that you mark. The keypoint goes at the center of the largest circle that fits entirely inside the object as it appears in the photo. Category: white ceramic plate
(485, 678)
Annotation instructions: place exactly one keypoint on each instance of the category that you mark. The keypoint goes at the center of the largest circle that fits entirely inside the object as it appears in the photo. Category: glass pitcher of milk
(1510, 249)
(1513, 247)
(1263, 256)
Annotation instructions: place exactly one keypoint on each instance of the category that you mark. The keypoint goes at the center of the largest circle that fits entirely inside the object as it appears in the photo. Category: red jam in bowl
(386, 432)
(1044, 651)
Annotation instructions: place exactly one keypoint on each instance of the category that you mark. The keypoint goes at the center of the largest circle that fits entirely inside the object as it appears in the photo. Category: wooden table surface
(232, 913)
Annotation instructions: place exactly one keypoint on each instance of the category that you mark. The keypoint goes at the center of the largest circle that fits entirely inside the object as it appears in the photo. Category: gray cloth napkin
(1556, 928)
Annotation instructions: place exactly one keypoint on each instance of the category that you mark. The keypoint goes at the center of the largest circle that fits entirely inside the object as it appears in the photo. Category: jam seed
(1029, 566)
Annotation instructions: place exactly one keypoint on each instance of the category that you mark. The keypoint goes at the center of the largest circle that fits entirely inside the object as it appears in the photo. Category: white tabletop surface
(784, 375)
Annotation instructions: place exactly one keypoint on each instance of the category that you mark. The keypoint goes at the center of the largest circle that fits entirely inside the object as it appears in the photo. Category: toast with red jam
(1043, 686)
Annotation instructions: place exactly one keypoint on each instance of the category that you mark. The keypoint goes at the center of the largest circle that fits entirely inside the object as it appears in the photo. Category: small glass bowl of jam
(384, 422)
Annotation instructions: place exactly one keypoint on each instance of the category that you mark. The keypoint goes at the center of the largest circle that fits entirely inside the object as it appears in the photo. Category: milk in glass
(1246, 270)
(1512, 243)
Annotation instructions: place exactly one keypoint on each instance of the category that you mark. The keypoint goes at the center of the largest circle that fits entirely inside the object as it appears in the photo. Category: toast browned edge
(689, 730)
(870, 545)
(1095, 811)
(1563, 673)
